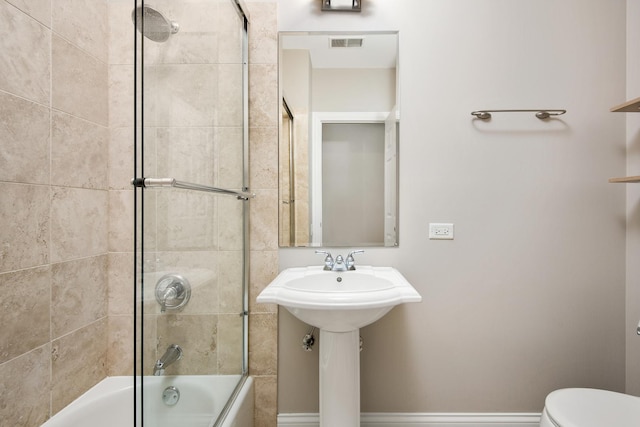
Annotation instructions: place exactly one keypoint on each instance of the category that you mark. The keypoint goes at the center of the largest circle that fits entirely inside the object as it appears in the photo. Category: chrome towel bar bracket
(540, 113)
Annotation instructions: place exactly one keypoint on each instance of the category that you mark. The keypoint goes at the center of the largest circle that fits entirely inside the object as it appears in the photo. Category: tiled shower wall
(66, 240)
(54, 182)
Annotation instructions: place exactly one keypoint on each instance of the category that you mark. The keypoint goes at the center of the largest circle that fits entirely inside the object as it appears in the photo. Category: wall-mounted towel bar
(172, 182)
(540, 113)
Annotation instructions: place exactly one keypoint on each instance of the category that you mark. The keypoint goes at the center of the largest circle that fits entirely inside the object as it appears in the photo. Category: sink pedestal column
(339, 379)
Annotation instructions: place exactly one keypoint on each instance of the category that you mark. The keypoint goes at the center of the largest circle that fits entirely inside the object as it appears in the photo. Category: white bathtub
(202, 398)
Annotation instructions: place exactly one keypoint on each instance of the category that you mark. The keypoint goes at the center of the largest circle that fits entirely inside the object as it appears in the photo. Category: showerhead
(152, 24)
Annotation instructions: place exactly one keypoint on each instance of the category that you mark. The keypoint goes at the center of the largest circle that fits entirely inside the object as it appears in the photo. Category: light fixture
(341, 5)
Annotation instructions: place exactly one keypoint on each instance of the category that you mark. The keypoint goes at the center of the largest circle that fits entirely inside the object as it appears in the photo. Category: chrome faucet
(173, 354)
(339, 264)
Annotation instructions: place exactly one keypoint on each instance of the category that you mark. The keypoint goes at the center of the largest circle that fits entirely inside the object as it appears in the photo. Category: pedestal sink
(339, 304)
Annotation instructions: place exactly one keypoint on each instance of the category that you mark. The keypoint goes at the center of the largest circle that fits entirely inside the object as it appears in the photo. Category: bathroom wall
(633, 200)
(530, 296)
(54, 182)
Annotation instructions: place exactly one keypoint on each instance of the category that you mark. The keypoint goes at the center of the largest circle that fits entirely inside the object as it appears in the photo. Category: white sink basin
(339, 301)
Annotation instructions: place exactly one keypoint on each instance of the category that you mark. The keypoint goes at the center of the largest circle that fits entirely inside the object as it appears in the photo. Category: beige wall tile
(83, 23)
(121, 31)
(121, 91)
(78, 152)
(189, 95)
(264, 220)
(230, 273)
(263, 33)
(230, 223)
(79, 83)
(196, 335)
(25, 243)
(186, 220)
(229, 153)
(78, 223)
(230, 344)
(263, 348)
(264, 268)
(37, 9)
(121, 211)
(78, 294)
(187, 154)
(24, 141)
(120, 158)
(25, 55)
(25, 386)
(78, 362)
(120, 283)
(229, 32)
(264, 158)
(229, 103)
(263, 103)
(120, 351)
(24, 311)
(266, 401)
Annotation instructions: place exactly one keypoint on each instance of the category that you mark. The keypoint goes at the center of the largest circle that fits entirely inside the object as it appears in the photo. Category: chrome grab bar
(174, 183)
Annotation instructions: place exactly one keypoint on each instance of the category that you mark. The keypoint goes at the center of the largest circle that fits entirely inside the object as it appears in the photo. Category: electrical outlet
(440, 231)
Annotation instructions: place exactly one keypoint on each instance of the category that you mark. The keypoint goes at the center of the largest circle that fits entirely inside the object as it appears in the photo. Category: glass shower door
(192, 207)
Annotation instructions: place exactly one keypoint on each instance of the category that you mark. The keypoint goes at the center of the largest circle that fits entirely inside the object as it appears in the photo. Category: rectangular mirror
(339, 137)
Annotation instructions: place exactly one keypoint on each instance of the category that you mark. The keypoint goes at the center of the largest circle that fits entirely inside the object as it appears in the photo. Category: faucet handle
(350, 262)
(328, 260)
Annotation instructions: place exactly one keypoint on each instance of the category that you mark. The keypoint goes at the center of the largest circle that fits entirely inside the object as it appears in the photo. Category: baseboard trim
(423, 420)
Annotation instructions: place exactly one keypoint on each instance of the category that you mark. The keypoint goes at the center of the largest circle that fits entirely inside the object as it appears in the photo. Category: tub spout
(173, 354)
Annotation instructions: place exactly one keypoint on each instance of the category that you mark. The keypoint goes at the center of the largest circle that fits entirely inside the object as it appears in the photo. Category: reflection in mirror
(338, 183)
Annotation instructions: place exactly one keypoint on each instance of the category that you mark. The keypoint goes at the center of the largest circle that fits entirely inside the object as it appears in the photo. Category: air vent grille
(346, 42)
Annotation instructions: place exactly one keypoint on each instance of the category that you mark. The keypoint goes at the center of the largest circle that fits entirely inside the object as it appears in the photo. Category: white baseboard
(423, 420)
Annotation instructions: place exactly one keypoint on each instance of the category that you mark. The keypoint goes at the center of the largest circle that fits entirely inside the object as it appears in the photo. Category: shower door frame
(138, 183)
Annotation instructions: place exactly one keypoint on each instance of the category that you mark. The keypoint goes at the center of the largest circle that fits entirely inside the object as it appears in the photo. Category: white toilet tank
(587, 407)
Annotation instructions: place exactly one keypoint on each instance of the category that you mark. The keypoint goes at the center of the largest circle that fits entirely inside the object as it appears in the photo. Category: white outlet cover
(440, 231)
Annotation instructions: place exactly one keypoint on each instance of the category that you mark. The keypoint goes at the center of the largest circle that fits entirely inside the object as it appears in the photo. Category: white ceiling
(379, 50)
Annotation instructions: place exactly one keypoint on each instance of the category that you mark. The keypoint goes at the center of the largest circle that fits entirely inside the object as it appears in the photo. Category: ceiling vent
(346, 42)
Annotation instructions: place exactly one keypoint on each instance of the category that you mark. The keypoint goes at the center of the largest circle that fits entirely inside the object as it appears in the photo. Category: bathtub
(202, 399)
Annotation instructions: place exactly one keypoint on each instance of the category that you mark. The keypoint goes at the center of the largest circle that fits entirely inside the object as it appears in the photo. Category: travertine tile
(83, 23)
(121, 211)
(264, 220)
(189, 95)
(26, 245)
(230, 223)
(78, 152)
(186, 220)
(120, 348)
(24, 311)
(78, 362)
(24, 141)
(25, 55)
(121, 151)
(266, 401)
(121, 91)
(187, 154)
(121, 31)
(264, 158)
(78, 223)
(79, 83)
(228, 106)
(263, 348)
(228, 28)
(230, 342)
(263, 33)
(25, 386)
(230, 274)
(263, 102)
(196, 335)
(37, 9)
(229, 145)
(264, 268)
(120, 283)
(78, 294)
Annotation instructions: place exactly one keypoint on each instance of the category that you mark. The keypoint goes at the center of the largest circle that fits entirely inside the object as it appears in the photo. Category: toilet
(587, 407)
